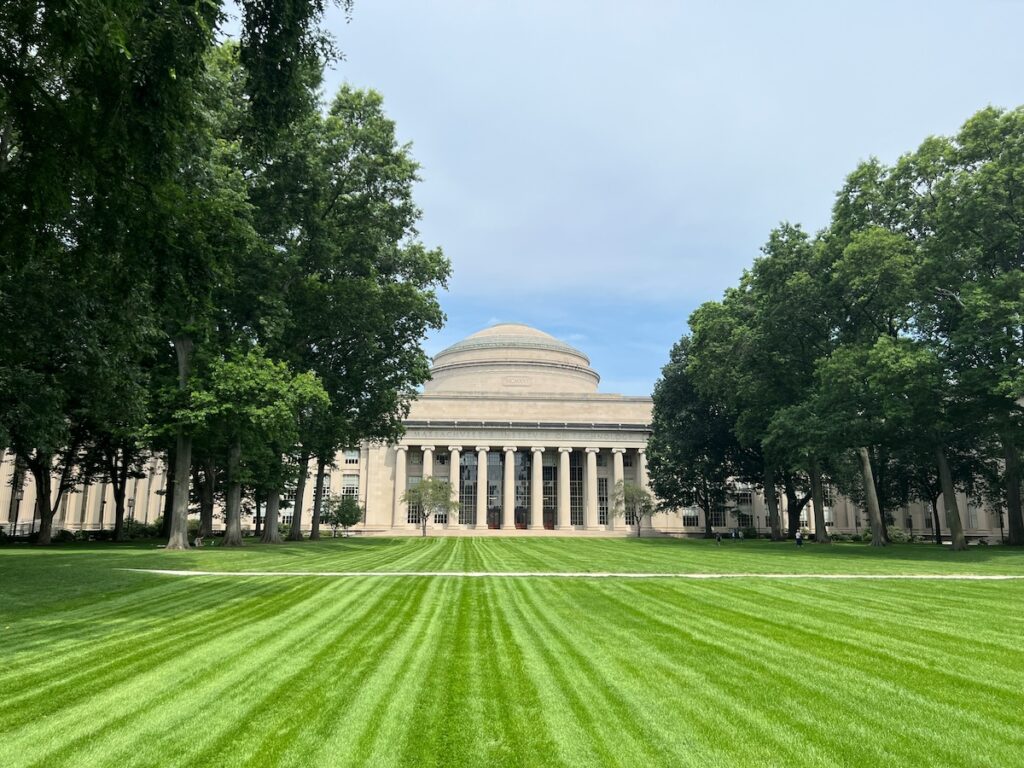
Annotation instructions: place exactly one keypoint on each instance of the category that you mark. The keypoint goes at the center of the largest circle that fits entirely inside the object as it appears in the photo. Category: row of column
(536, 484)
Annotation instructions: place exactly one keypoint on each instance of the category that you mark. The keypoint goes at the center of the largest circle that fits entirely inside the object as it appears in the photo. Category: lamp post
(18, 496)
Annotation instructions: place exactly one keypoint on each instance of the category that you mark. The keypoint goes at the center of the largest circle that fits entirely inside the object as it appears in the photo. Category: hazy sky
(598, 169)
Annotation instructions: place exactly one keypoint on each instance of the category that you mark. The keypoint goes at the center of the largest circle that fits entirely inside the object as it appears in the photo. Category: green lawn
(103, 666)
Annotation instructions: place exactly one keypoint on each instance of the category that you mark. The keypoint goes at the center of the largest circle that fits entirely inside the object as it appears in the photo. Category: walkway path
(590, 575)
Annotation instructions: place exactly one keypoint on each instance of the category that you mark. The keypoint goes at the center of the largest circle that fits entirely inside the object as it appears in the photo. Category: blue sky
(599, 169)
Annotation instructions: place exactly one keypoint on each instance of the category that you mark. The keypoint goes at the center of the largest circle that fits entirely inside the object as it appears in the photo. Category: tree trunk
(956, 528)
(119, 492)
(818, 500)
(206, 490)
(771, 499)
(707, 504)
(318, 497)
(271, 532)
(871, 496)
(119, 480)
(17, 484)
(794, 506)
(233, 501)
(936, 521)
(178, 535)
(165, 521)
(295, 533)
(40, 469)
(1014, 520)
(258, 516)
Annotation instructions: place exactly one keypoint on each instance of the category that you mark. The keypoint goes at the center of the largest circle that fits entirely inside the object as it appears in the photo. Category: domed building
(513, 419)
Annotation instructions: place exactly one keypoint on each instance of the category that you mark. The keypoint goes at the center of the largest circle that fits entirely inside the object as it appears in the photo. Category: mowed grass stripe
(218, 717)
(875, 687)
(882, 631)
(32, 685)
(404, 667)
(652, 650)
(586, 709)
(771, 693)
(496, 671)
(183, 685)
(282, 726)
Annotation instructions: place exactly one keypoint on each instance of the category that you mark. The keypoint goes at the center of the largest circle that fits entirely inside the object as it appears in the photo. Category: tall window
(745, 520)
(602, 500)
(350, 485)
(718, 517)
(522, 489)
(829, 495)
(691, 519)
(494, 489)
(351, 456)
(627, 460)
(415, 516)
(973, 508)
(602, 460)
(467, 489)
(575, 488)
(550, 475)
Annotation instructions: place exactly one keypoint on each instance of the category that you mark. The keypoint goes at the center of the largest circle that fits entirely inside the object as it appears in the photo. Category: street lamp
(18, 496)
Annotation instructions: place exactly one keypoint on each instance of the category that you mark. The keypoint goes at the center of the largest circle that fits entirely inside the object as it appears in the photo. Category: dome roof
(512, 357)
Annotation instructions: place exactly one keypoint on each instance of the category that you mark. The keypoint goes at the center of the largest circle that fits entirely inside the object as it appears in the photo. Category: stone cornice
(553, 397)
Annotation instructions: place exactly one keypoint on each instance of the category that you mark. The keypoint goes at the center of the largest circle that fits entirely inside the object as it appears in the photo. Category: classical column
(508, 496)
(537, 487)
(399, 516)
(563, 488)
(641, 476)
(617, 477)
(454, 478)
(481, 485)
(428, 461)
(591, 513)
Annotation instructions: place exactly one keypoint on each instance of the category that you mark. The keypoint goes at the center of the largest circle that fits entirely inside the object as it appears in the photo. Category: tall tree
(692, 441)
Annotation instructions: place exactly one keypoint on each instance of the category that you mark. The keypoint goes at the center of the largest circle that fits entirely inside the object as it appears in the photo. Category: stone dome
(512, 358)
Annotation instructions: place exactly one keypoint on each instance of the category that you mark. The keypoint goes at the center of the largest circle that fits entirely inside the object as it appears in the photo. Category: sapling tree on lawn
(252, 401)
(635, 502)
(342, 511)
(433, 496)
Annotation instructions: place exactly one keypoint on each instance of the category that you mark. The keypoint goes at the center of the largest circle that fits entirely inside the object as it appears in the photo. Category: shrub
(897, 535)
(63, 536)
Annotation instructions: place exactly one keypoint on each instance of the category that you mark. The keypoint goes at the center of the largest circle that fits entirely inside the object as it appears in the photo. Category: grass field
(103, 666)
